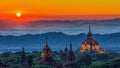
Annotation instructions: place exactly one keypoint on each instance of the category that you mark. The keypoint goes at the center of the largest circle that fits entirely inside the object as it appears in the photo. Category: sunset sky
(35, 10)
(60, 7)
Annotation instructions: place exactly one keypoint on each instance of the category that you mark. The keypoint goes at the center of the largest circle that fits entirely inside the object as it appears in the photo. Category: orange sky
(60, 7)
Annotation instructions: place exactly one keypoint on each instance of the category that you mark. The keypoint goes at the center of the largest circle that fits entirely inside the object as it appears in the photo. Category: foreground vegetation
(109, 60)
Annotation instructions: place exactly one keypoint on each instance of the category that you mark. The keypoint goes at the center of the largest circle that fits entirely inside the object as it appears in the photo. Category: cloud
(66, 26)
(5, 24)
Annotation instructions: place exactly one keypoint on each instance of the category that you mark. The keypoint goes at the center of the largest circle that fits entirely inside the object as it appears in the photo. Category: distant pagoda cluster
(47, 58)
(90, 45)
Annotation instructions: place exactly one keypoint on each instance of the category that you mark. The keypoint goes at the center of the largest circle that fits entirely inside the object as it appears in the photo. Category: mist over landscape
(60, 33)
(57, 41)
(70, 27)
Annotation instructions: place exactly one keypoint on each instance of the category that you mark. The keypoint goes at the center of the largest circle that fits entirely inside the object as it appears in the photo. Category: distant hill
(57, 40)
(111, 20)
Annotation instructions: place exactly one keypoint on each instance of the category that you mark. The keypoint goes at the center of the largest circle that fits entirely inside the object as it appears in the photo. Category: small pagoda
(23, 60)
(46, 56)
(71, 60)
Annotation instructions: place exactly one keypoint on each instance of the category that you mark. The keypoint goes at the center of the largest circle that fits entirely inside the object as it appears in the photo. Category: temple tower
(23, 60)
(46, 56)
(90, 45)
(71, 60)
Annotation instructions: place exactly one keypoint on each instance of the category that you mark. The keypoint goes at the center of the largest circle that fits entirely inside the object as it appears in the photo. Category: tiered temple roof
(90, 45)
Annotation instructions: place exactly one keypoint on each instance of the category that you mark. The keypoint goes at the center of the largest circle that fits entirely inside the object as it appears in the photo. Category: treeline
(110, 60)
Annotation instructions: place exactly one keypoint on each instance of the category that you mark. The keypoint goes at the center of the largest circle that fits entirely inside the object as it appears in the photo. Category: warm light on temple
(91, 45)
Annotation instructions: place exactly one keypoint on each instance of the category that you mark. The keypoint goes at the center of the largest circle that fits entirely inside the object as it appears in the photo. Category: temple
(71, 60)
(90, 45)
(46, 56)
(23, 59)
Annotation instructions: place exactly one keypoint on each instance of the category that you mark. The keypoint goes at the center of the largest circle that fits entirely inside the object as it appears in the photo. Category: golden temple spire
(89, 33)
(89, 28)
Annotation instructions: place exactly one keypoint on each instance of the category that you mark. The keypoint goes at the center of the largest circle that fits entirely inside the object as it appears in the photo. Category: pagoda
(71, 60)
(46, 56)
(91, 45)
(23, 59)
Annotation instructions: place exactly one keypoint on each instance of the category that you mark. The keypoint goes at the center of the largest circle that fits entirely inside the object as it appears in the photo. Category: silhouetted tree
(85, 60)
(30, 60)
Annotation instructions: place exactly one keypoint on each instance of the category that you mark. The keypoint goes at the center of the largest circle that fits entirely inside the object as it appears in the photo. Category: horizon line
(54, 32)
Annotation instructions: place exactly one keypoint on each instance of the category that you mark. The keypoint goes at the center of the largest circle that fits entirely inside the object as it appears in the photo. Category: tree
(41, 66)
(116, 63)
(102, 56)
(30, 60)
(101, 65)
(85, 60)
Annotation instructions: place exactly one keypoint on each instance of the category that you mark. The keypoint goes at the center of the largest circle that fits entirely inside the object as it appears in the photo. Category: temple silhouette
(24, 60)
(46, 56)
(71, 61)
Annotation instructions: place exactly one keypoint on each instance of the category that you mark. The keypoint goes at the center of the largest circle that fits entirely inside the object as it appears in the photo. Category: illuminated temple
(90, 45)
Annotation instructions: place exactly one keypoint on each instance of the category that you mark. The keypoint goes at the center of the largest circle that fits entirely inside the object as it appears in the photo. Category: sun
(18, 14)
